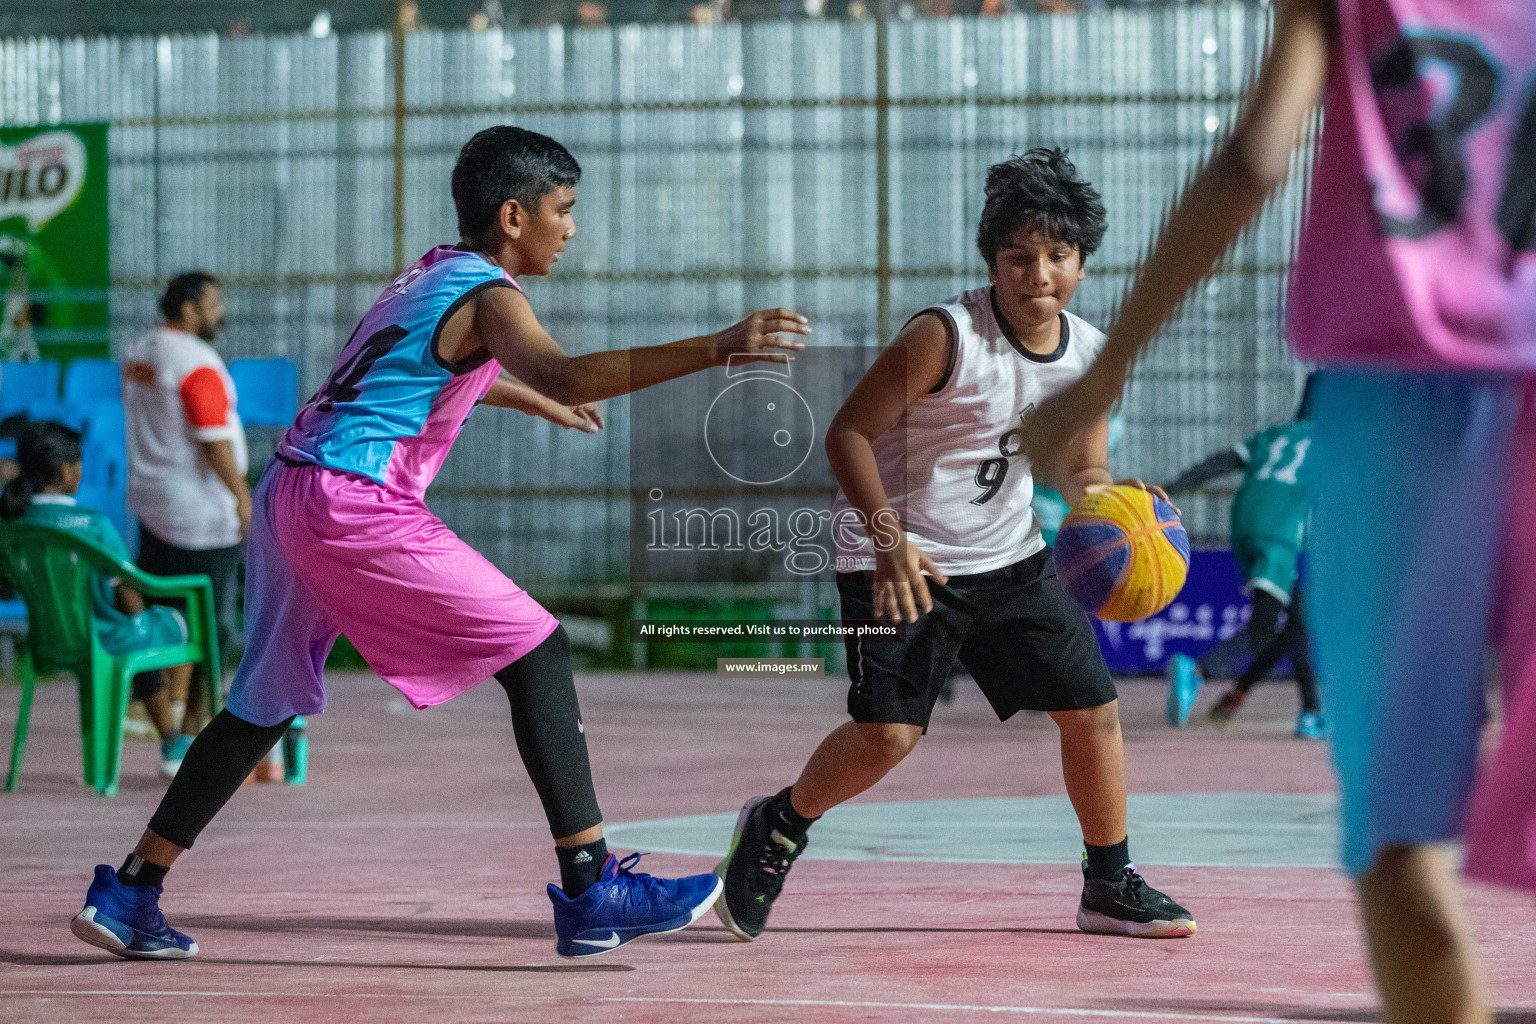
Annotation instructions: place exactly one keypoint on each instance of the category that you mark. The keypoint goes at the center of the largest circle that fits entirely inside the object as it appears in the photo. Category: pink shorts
(329, 554)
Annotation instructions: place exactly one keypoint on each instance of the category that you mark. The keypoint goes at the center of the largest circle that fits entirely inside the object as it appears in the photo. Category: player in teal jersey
(1268, 529)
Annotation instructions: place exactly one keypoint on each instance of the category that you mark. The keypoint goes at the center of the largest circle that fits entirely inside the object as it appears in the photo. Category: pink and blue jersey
(393, 406)
(1431, 118)
(341, 538)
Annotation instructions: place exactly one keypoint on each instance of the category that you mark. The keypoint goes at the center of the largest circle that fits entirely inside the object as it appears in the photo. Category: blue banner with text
(1210, 608)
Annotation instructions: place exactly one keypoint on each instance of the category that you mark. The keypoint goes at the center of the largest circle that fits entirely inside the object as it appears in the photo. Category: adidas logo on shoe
(582, 858)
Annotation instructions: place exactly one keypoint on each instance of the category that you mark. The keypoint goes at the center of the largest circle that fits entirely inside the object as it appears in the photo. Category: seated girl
(49, 457)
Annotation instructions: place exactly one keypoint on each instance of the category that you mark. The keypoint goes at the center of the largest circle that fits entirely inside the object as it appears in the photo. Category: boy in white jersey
(1415, 286)
(927, 452)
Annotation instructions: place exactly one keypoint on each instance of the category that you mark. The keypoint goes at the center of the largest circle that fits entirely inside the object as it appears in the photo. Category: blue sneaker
(1311, 725)
(126, 920)
(624, 905)
(1183, 674)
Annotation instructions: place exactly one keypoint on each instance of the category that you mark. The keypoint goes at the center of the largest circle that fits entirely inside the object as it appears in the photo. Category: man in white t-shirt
(186, 447)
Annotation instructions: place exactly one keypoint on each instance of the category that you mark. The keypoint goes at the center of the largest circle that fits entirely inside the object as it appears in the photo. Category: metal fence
(836, 167)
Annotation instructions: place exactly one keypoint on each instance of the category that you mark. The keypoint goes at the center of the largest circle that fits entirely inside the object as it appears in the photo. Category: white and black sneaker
(1129, 906)
(754, 870)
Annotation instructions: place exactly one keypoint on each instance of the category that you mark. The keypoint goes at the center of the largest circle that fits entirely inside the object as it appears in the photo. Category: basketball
(1123, 553)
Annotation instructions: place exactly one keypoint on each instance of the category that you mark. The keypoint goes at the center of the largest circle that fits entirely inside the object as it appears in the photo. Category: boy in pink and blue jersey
(1415, 288)
(342, 541)
(371, 439)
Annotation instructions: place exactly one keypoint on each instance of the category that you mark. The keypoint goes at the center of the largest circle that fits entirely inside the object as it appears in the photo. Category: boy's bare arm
(1083, 466)
(505, 324)
(510, 393)
(906, 371)
(1083, 463)
(1218, 204)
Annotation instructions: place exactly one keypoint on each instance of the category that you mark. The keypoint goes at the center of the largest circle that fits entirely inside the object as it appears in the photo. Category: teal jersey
(116, 629)
(1050, 509)
(1273, 501)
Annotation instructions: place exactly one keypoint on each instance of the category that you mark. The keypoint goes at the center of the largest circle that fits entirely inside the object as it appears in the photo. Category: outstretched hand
(766, 336)
(584, 418)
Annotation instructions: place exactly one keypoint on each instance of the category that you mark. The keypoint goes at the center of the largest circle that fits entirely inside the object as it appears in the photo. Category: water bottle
(295, 753)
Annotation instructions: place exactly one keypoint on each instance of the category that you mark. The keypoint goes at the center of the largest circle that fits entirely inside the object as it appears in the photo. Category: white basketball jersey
(950, 465)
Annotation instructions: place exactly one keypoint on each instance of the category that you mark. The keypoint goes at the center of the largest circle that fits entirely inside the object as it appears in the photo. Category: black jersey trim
(462, 366)
(1018, 346)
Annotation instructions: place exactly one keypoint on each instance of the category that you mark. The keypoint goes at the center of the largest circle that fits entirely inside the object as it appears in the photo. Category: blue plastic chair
(89, 382)
(24, 386)
(13, 616)
(267, 390)
(104, 482)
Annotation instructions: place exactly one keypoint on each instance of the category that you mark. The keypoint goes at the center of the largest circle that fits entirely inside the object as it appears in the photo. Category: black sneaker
(1129, 906)
(754, 870)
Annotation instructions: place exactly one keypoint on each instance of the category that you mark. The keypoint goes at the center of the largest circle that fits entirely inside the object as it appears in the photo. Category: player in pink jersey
(342, 540)
(1415, 286)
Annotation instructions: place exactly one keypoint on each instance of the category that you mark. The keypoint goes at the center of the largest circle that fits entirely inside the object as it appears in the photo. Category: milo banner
(54, 261)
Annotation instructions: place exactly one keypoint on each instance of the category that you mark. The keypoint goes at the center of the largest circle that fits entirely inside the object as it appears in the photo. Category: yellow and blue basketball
(1122, 553)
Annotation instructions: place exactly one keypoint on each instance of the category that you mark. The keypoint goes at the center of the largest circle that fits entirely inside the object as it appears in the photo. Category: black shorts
(1026, 642)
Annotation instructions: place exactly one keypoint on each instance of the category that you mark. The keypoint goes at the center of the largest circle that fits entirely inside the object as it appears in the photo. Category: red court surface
(405, 881)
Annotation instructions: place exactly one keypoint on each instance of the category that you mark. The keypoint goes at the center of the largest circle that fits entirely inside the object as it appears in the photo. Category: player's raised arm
(510, 393)
(1203, 472)
(506, 325)
(1082, 464)
(1213, 211)
(906, 371)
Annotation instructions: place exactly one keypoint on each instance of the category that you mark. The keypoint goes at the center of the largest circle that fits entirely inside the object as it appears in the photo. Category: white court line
(838, 1003)
(200, 993)
(1064, 1011)
(621, 838)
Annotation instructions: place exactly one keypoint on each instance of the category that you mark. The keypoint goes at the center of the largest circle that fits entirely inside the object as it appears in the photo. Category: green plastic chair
(51, 570)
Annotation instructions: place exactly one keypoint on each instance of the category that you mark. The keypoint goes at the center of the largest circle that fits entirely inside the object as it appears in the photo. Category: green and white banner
(54, 260)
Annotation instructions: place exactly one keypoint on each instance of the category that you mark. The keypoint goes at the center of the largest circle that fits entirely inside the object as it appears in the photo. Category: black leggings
(546, 720)
(217, 762)
(1267, 647)
(1290, 642)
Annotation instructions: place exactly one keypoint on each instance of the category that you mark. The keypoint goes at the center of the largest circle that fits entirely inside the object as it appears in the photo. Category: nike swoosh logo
(608, 943)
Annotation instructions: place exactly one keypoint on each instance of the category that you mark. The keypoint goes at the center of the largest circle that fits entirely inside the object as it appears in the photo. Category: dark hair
(188, 287)
(504, 163)
(1041, 191)
(43, 450)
